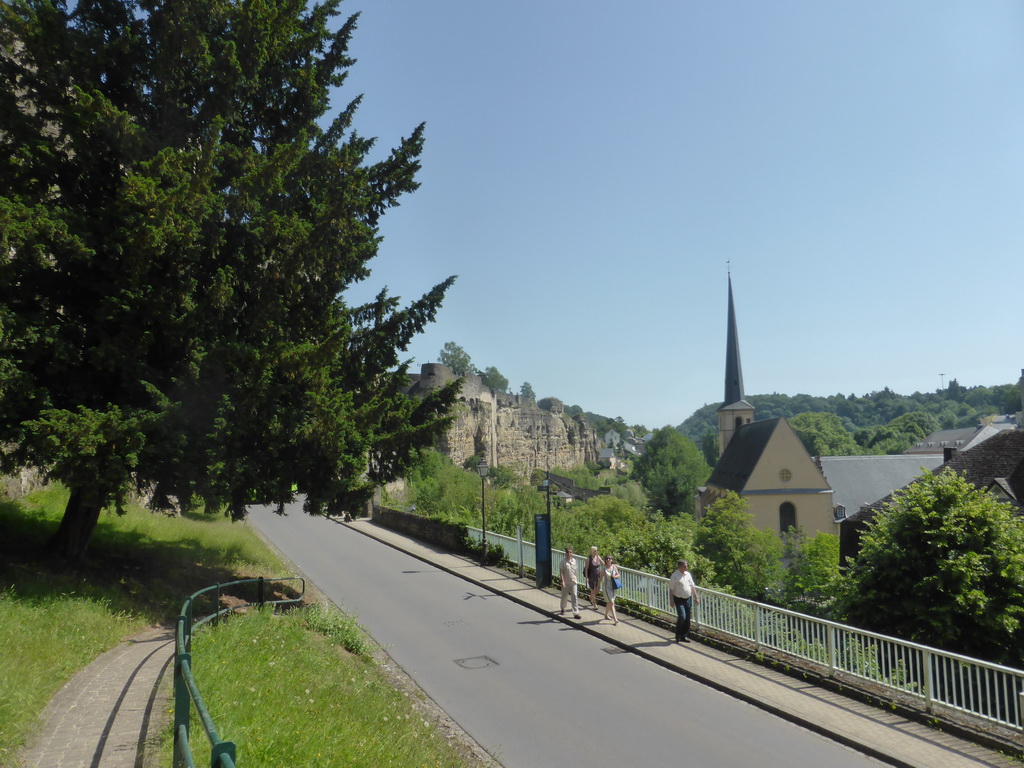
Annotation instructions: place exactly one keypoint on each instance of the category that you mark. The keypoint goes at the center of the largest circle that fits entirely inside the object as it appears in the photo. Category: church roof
(742, 455)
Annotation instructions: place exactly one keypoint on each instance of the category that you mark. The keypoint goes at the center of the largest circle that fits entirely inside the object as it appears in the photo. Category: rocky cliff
(510, 430)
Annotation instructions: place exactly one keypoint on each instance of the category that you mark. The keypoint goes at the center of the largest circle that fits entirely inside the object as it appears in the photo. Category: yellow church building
(764, 462)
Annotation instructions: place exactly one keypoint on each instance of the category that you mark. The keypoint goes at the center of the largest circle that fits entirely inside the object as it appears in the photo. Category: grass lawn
(301, 698)
(309, 671)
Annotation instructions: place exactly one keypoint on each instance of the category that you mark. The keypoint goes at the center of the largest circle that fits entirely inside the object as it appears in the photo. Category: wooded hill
(953, 407)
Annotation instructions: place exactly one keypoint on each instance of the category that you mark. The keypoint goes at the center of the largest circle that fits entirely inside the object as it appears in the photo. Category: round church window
(785, 475)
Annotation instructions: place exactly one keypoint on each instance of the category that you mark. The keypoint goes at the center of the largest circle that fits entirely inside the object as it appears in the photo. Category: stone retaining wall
(447, 535)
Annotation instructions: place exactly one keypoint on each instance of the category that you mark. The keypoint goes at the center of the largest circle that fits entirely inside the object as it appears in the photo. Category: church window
(785, 475)
(787, 516)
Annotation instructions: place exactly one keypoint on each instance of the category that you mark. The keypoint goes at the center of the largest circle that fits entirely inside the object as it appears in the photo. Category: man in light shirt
(683, 592)
(569, 580)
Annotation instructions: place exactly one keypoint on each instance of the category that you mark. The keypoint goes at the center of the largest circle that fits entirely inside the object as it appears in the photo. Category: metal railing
(934, 679)
(186, 692)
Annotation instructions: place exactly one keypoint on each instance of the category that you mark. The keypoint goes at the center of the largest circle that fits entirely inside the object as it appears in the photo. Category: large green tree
(746, 560)
(899, 434)
(180, 216)
(823, 434)
(809, 582)
(943, 565)
(492, 378)
(455, 357)
(670, 470)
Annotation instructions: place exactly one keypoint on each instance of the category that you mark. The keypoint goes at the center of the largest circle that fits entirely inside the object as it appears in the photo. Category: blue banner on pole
(542, 537)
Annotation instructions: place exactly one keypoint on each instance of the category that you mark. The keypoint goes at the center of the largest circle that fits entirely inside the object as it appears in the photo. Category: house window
(787, 516)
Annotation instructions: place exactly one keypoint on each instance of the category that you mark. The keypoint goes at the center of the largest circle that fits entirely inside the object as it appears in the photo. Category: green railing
(186, 692)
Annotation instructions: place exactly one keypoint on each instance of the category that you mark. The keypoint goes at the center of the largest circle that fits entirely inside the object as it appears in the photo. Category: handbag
(616, 582)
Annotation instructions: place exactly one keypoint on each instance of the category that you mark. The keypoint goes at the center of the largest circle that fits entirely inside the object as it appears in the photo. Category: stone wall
(25, 482)
(510, 430)
(437, 532)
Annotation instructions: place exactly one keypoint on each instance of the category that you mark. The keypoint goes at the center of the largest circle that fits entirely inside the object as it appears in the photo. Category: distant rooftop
(961, 439)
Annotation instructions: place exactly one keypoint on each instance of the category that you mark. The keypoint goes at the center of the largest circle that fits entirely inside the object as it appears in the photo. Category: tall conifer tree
(180, 217)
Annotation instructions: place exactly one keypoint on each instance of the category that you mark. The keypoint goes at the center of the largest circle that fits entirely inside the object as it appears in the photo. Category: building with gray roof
(858, 481)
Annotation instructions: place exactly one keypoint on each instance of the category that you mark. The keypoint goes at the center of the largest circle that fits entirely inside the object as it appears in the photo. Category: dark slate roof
(857, 481)
(1001, 457)
(742, 454)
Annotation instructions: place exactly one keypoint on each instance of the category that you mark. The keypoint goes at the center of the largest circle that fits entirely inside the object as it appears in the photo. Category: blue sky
(592, 166)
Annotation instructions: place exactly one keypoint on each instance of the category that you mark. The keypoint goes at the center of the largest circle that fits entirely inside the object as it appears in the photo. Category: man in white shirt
(683, 592)
(569, 580)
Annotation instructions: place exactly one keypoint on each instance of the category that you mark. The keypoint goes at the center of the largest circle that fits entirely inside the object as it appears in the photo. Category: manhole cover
(614, 649)
(476, 662)
(455, 623)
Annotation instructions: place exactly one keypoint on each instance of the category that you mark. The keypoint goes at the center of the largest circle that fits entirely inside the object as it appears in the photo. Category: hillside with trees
(874, 420)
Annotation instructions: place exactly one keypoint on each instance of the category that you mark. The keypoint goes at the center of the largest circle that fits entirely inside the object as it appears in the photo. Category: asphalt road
(531, 690)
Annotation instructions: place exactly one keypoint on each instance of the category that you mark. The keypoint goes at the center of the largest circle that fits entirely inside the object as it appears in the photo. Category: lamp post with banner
(542, 537)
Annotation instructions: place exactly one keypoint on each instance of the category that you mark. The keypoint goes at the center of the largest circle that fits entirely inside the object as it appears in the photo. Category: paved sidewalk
(882, 734)
(110, 714)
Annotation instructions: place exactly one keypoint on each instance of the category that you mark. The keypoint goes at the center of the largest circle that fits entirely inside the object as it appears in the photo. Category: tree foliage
(455, 357)
(527, 391)
(709, 447)
(810, 582)
(180, 218)
(670, 470)
(745, 559)
(439, 489)
(943, 565)
(823, 434)
(898, 435)
(492, 378)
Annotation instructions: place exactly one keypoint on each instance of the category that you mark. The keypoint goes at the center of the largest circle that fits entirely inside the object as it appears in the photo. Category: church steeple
(733, 369)
(735, 411)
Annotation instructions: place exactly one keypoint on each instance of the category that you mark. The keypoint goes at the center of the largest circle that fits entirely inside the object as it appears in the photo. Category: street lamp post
(481, 468)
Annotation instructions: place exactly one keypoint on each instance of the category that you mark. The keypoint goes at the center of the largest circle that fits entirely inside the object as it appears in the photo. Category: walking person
(592, 570)
(610, 572)
(569, 584)
(684, 596)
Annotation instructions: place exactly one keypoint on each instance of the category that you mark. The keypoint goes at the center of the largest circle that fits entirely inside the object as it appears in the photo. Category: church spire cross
(733, 370)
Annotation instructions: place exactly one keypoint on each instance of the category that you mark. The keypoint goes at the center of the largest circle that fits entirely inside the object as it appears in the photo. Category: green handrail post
(182, 702)
(224, 748)
(259, 592)
(188, 625)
